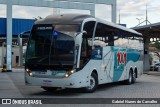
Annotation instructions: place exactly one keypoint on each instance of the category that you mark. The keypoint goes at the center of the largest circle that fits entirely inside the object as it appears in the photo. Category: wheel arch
(136, 71)
(131, 69)
(95, 71)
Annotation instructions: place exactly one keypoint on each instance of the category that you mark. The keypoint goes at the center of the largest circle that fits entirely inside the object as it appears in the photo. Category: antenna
(139, 20)
(146, 18)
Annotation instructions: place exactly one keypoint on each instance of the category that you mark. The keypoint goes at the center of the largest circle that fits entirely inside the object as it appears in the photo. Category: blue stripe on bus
(131, 55)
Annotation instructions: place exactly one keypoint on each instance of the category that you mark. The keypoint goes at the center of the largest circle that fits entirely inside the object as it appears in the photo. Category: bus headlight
(72, 71)
(29, 72)
(66, 75)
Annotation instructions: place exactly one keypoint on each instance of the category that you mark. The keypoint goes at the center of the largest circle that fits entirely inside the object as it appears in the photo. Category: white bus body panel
(106, 68)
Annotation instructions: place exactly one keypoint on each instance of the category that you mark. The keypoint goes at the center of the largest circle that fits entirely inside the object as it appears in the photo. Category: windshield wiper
(42, 59)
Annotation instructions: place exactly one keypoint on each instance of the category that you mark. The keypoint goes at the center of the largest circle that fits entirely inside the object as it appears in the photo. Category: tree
(157, 45)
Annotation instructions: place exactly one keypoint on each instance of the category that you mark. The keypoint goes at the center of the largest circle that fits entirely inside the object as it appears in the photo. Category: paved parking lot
(147, 86)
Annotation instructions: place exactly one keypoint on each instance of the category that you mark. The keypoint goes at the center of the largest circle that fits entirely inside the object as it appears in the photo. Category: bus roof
(118, 26)
(78, 19)
(64, 19)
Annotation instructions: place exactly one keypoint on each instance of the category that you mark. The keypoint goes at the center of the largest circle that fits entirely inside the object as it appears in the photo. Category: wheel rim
(92, 83)
(134, 75)
(130, 77)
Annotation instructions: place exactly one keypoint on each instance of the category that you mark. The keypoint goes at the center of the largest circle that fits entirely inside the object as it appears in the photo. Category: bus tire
(129, 80)
(133, 77)
(50, 89)
(93, 84)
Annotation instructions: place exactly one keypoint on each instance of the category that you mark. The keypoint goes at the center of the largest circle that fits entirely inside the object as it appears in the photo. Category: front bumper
(73, 81)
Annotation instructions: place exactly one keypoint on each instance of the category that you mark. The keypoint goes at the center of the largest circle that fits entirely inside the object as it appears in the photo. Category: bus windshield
(51, 47)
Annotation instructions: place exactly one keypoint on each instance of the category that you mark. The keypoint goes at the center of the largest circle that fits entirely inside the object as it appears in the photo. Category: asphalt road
(147, 86)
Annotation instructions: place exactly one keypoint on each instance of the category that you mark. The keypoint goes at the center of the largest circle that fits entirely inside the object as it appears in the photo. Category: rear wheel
(129, 80)
(93, 83)
(50, 89)
(133, 77)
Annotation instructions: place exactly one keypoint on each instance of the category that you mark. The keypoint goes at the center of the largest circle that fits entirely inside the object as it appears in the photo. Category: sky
(130, 10)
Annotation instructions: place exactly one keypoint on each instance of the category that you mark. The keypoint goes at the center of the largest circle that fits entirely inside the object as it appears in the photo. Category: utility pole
(119, 16)
(56, 10)
(146, 15)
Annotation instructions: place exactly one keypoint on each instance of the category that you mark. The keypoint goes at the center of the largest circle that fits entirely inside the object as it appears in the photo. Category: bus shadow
(61, 92)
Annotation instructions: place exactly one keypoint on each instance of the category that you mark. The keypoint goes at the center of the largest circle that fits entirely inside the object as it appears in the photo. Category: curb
(153, 73)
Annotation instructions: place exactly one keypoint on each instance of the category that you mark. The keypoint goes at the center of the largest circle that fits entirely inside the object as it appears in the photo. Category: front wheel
(93, 83)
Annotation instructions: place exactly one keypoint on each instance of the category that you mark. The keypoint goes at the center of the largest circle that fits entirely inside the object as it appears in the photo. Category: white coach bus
(81, 51)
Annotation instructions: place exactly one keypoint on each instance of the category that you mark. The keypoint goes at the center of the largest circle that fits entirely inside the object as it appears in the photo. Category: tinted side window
(103, 36)
(86, 47)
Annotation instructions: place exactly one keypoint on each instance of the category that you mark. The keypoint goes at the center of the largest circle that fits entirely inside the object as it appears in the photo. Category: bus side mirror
(25, 34)
(84, 32)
